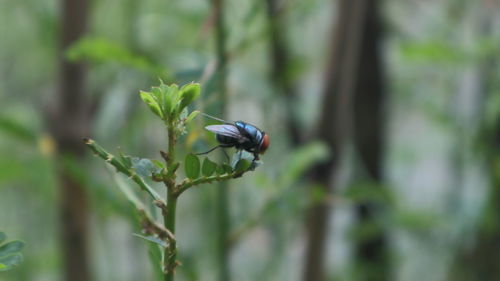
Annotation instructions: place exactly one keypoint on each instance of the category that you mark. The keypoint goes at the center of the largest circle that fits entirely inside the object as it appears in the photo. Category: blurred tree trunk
(368, 134)
(223, 216)
(279, 57)
(334, 126)
(69, 123)
(478, 260)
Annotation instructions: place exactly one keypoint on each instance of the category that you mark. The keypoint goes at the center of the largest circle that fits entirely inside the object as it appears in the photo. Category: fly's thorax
(253, 133)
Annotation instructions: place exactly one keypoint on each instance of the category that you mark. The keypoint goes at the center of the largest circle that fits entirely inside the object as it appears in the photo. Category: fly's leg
(214, 148)
(210, 150)
(225, 154)
(255, 158)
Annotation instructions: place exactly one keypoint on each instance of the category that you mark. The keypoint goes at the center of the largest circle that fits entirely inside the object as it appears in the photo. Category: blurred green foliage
(443, 100)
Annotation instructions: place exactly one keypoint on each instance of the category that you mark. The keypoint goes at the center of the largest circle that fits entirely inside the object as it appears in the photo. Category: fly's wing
(227, 130)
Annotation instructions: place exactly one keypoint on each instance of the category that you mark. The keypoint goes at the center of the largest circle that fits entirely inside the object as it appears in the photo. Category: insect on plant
(240, 135)
(170, 103)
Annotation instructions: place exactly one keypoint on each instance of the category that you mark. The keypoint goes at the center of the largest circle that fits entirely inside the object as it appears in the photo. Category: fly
(240, 135)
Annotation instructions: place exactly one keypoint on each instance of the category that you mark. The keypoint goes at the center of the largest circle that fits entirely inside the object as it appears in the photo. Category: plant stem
(120, 167)
(187, 184)
(171, 250)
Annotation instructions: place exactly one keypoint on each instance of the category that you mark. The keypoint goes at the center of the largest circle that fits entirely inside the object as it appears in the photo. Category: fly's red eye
(265, 144)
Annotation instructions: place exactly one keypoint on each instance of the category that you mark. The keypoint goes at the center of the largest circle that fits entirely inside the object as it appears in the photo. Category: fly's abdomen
(226, 140)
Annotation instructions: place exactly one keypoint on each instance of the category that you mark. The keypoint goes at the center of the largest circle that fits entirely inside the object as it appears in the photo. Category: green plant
(10, 255)
(170, 104)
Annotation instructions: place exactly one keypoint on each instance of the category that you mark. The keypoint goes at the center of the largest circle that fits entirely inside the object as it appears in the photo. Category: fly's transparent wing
(226, 130)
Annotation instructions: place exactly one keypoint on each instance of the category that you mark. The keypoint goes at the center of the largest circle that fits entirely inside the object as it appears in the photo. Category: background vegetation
(384, 119)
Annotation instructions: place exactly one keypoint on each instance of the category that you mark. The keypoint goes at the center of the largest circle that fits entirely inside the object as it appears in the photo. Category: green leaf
(208, 167)
(172, 96)
(159, 164)
(100, 51)
(413, 220)
(11, 248)
(227, 169)
(242, 165)
(10, 261)
(192, 115)
(9, 253)
(368, 191)
(144, 167)
(152, 239)
(165, 97)
(189, 93)
(155, 254)
(17, 129)
(301, 160)
(220, 170)
(151, 101)
(161, 97)
(127, 190)
(192, 166)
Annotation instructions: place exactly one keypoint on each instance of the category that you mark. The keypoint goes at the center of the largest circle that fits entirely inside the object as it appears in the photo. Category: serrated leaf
(208, 167)
(192, 115)
(192, 166)
(151, 101)
(189, 93)
(242, 165)
(11, 248)
(152, 239)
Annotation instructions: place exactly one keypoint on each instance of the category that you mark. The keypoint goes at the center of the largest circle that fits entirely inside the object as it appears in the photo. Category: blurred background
(384, 120)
